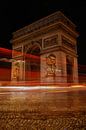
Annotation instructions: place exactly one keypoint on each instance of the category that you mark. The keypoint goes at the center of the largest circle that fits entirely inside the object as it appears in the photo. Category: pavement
(43, 107)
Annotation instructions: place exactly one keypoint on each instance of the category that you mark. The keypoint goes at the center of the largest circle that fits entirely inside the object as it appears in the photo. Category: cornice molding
(39, 33)
(59, 48)
(53, 18)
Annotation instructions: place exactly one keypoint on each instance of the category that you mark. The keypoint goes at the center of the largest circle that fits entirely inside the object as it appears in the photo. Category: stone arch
(33, 63)
(28, 48)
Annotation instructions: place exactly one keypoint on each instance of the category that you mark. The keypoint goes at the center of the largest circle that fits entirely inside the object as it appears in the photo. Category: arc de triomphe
(46, 51)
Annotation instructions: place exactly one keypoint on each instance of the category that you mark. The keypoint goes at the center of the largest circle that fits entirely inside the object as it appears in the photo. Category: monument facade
(46, 51)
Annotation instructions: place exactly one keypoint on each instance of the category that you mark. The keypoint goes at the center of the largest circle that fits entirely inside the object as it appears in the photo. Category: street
(43, 108)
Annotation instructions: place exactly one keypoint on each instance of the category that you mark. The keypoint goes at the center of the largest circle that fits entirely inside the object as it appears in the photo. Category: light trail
(32, 58)
(41, 87)
(52, 90)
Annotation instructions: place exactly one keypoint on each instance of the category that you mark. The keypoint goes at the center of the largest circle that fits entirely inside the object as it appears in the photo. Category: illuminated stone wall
(56, 38)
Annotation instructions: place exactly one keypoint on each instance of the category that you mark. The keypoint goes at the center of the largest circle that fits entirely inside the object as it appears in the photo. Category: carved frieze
(50, 41)
(68, 43)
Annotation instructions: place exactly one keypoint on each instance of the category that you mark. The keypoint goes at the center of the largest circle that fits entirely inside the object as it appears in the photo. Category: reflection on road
(42, 108)
(42, 98)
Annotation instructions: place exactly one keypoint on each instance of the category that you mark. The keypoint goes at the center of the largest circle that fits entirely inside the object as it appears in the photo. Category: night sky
(16, 14)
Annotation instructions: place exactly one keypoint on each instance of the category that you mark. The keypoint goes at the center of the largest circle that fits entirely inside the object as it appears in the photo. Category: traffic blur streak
(34, 83)
(52, 89)
(5, 72)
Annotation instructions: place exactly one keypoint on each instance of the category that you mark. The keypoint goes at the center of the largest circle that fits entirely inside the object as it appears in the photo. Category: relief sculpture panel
(16, 71)
(51, 41)
(68, 43)
(51, 65)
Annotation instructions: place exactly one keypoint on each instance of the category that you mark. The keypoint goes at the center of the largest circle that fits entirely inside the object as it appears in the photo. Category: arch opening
(32, 72)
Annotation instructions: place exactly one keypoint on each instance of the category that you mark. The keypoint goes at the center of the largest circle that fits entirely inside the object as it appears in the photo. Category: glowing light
(78, 86)
(35, 75)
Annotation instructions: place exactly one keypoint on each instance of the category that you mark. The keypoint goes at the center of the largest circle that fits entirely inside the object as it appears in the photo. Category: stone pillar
(48, 67)
(18, 70)
(61, 67)
(75, 71)
(60, 75)
(43, 68)
(64, 69)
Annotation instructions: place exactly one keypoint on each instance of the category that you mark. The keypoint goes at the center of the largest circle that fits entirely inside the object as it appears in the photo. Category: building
(46, 51)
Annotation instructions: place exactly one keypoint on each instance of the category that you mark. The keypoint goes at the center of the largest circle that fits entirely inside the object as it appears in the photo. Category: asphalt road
(42, 98)
(42, 108)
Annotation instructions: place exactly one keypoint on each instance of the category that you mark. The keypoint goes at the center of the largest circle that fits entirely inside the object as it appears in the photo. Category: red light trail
(6, 71)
